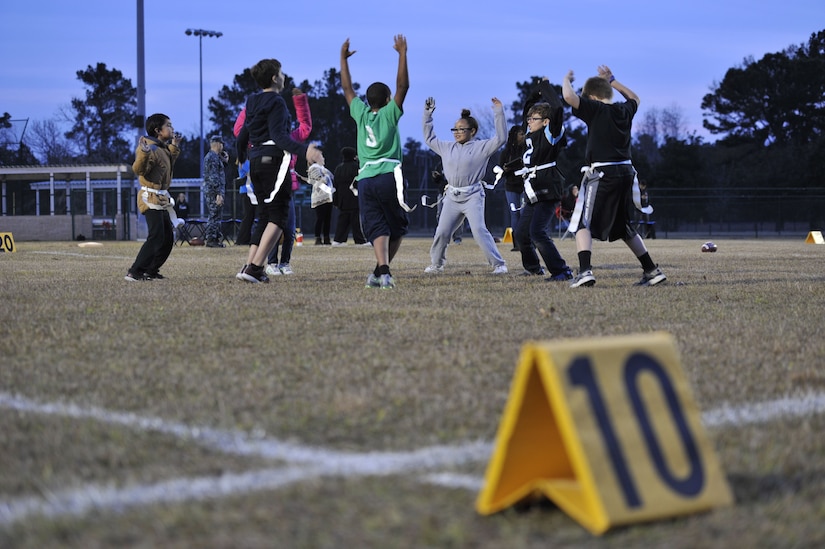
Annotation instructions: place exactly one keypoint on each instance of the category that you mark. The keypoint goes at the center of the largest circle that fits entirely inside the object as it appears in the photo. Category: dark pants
(245, 229)
(159, 243)
(349, 220)
(533, 233)
(323, 220)
(289, 239)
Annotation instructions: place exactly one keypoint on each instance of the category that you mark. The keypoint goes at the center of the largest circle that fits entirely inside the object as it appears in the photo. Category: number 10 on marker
(608, 430)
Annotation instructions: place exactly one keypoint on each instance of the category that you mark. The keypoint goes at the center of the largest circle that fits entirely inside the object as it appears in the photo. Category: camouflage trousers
(213, 221)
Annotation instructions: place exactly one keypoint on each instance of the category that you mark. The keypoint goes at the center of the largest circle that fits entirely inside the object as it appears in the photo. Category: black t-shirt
(608, 129)
(182, 209)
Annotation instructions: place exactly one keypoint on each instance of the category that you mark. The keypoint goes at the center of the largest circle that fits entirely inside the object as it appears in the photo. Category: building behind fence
(99, 202)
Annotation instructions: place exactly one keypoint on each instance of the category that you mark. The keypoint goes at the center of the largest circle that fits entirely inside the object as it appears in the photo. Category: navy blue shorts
(381, 214)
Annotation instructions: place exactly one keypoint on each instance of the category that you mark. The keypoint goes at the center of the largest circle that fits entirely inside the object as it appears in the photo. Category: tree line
(768, 116)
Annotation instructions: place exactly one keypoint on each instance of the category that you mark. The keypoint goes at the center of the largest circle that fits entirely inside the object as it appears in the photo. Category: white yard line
(77, 254)
(302, 462)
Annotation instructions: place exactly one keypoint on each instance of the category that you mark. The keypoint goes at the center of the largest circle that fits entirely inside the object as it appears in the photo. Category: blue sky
(462, 52)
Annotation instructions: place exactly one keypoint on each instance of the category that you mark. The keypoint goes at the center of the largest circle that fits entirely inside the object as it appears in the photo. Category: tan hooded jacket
(154, 170)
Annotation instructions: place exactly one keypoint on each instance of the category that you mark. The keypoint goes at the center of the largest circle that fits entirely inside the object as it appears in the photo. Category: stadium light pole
(200, 33)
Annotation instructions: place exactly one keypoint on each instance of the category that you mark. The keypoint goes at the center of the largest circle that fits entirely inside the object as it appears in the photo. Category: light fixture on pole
(200, 33)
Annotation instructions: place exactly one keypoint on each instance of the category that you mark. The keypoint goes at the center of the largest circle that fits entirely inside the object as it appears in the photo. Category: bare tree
(47, 141)
(672, 122)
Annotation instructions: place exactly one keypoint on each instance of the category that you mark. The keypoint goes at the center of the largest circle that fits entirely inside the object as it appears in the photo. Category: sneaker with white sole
(254, 274)
(285, 269)
(373, 281)
(584, 278)
(651, 278)
(335, 243)
(272, 270)
(131, 277)
(239, 276)
(434, 269)
(387, 282)
(500, 270)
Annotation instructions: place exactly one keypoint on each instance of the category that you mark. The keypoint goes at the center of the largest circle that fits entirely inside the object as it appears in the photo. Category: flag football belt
(399, 182)
(170, 207)
(528, 174)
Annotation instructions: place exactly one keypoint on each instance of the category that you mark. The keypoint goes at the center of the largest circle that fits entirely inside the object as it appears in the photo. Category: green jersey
(379, 143)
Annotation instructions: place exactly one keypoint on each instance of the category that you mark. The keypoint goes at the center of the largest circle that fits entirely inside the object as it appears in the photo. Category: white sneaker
(285, 269)
(335, 243)
(434, 269)
(500, 270)
(584, 278)
(272, 270)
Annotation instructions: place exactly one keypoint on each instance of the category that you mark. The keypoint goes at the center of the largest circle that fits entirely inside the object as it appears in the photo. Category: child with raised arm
(379, 181)
(154, 160)
(267, 130)
(609, 185)
(465, 162)
(543, 185)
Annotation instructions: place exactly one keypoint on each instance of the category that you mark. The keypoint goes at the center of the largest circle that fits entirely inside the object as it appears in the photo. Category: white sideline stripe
(75, 254)
(90, 497)
(316, 461)
(801, 405)
(455, 480)
(239, 443)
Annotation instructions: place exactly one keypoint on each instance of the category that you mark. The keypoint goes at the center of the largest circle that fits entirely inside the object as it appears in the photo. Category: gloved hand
(429, 105)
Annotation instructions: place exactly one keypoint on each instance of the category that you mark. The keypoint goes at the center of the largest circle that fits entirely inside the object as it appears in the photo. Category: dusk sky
(462, 52)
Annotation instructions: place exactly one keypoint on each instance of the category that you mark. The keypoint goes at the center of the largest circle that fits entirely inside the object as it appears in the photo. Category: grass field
(200, 411)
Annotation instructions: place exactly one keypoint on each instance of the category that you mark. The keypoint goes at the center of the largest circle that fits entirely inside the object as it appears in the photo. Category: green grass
(316, 359)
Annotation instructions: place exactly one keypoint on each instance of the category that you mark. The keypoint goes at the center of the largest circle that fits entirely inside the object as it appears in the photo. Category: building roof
(64, 172)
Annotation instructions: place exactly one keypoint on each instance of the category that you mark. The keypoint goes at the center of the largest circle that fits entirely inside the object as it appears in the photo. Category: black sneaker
(254, 274)
(155, 276)
(132, 277)
(215, 244)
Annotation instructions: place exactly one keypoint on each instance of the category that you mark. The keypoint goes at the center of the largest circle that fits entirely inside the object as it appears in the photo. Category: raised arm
(301, 103)
(567, 91)
(549, 94)
(627, 93)
(500, 122)
(346, 79)
(402, 80)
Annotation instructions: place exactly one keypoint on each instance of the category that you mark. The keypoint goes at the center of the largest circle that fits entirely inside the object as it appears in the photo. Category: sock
(376, 272)
(383, 270)
(584, 260)
(647, 263)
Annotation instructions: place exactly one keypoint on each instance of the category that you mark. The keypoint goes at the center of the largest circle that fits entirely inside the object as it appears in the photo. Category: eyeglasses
(535, 118)
(462, 130)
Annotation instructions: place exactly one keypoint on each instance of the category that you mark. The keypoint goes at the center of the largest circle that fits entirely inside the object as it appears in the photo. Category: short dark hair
(264, 71)
(154, 123)
(348, 153)
(541, 108)
(598, 87)
(378, 95)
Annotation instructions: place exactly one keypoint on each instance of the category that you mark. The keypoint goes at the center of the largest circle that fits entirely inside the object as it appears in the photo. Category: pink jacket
(300, 134)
